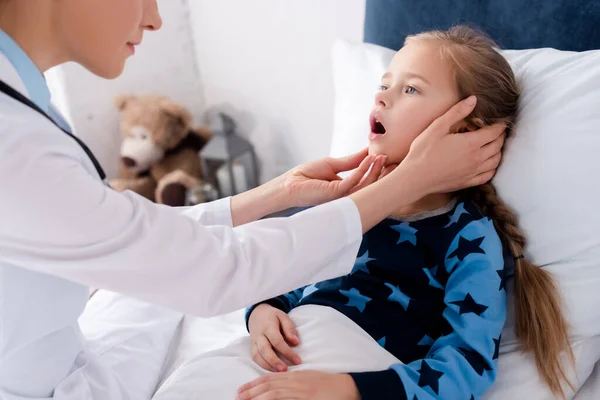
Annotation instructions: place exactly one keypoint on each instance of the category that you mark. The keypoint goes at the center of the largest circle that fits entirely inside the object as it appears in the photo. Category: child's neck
(430, 202)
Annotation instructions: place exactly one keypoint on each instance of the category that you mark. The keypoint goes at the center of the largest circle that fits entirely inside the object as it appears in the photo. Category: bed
(561, 24)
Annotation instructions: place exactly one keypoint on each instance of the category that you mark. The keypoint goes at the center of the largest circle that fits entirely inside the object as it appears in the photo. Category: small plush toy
(159, 154)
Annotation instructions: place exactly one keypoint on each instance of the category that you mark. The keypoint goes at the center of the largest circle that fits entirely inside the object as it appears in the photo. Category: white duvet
(211, 358)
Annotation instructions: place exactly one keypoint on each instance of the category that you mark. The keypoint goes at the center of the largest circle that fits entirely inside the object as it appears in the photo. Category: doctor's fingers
(348, 163)
(386, 170)
(491, 164)
(493, 148)
(263, 348)
(372, 175)
(480, 179)
(485, 172)
(346, 185)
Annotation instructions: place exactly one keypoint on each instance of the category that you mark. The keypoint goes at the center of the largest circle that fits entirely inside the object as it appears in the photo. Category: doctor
(63, 231)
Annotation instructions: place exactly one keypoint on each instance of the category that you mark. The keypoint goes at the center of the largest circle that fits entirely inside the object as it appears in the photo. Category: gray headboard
(513, 24)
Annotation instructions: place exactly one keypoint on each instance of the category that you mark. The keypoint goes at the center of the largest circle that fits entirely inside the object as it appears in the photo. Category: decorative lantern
(229, 161)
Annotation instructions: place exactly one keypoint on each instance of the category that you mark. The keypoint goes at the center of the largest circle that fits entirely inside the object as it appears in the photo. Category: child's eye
(383, 88)
(410, 90)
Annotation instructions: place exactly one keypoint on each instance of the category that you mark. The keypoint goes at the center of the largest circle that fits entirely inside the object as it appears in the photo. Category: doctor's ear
(122, 101)
(178, 113)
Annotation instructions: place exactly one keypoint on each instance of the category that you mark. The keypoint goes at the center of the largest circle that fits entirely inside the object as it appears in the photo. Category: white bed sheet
(198, 336)
(330, 342)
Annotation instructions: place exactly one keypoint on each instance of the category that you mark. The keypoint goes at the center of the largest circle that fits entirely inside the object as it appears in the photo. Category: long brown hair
(480, 70)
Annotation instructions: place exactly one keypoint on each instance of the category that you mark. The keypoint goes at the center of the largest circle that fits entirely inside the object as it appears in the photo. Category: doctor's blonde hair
(480, 70)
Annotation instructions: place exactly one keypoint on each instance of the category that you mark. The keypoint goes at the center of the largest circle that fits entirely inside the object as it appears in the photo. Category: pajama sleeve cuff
(379, 385)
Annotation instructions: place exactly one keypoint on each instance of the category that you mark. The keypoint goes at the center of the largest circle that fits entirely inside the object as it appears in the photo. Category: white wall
(164, 64)
(265, 61)
(269, 60)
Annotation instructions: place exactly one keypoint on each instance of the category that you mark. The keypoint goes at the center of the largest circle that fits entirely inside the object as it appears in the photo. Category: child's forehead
(418, 55)
(420, 58)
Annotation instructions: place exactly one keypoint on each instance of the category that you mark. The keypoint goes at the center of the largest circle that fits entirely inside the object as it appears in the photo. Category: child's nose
(382, 100)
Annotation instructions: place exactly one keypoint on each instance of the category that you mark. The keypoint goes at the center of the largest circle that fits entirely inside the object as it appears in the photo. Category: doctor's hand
(301, 385)
(317, 182)
(272, 332)
(309, 184)
(439, 161)
(447, 161)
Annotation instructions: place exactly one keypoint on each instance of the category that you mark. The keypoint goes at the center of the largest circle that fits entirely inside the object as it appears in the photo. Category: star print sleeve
(285, 302)
(461, 364)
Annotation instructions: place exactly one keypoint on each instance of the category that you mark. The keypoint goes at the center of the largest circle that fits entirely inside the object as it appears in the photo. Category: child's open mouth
(377, 128)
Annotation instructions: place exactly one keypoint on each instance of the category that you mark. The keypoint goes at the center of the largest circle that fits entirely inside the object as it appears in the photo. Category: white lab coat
(62, 231)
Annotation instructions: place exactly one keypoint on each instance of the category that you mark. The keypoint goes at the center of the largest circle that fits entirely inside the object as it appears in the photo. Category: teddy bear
(159, 152)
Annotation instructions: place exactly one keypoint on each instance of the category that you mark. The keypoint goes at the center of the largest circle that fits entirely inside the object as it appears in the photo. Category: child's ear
(464, 126)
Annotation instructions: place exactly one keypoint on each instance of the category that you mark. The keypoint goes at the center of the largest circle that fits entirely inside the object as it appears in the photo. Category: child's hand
(271, 331)
(301, 385)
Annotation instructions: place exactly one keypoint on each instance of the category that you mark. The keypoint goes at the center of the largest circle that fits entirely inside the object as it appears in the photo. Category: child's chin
(392, 158)
(378, 149)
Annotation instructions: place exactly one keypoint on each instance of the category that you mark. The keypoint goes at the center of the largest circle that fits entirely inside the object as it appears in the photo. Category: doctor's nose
(129, 162)
(152, 20)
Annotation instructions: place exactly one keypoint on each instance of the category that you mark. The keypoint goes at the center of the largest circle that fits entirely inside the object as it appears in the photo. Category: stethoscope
(9, 91)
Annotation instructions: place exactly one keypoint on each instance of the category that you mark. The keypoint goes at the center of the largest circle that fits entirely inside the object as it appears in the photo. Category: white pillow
(357, 71)
(551, 167)
(550, 173)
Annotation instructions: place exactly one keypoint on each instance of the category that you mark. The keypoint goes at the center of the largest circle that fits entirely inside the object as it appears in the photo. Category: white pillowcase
(551, 169)
(550, 173)
(357, 71)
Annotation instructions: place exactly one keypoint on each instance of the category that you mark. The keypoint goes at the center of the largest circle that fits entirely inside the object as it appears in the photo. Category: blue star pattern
(426, 341)
(449, 283)
(433, 270)
(432, 281)
(496, 347)
(476, 361)
(469, 305)
(309, 290)
(398, 297)
(458, 212)
(355, 299)
(361, 263)
(291, 297)
(407, 233)
(502, 274)
(430, 377)
(467, 247)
